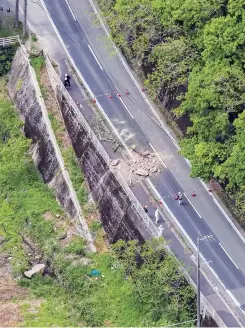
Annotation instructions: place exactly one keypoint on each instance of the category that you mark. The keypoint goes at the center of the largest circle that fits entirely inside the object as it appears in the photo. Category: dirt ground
(11, 296)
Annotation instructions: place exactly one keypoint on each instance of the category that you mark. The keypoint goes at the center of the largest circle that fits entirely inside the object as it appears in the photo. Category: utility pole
(198, 286)
(25, 17)
(16, 13)
(209, 237)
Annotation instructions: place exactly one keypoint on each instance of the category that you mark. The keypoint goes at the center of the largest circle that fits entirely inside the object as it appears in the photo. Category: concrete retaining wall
(25, 94)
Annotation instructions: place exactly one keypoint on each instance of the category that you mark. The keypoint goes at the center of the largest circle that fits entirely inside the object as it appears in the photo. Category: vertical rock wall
(119, 217)
(24, 95)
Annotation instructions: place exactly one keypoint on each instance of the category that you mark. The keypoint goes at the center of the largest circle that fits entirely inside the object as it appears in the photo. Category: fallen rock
(142, 172)
(63, 236)
(38, 268)
(114, 162)
(145, 153)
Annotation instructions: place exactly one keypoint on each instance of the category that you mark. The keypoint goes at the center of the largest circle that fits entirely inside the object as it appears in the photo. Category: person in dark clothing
(145, 208)
(67, 79)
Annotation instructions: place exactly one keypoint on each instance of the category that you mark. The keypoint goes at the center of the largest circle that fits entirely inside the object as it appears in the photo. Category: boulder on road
(114, 162)
(142, 172)
(38, 268)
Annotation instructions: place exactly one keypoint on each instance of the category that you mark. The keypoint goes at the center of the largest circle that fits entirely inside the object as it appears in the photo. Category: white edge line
(192, 206)
(133, 78)
(159, 157)
(70, 10)
(125, 107)
(228, 255)
(83, 80)
(233, 298)
(95, 57)
(156, 114)
(86, 85)
(223, 212)
(184, 232)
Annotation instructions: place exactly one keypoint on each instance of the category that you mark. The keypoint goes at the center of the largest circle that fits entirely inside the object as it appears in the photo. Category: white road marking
(95, 57)
(125, 106)
(109, 122)
(70, 10)
(233, 298)
(159, 157)
(193, 206)
(228, 255)
(223, 212)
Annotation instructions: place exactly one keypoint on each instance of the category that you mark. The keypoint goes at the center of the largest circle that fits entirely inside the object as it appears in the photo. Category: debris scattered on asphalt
(114, 162)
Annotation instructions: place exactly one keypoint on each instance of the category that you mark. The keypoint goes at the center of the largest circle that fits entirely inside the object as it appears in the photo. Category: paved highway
(134, 122)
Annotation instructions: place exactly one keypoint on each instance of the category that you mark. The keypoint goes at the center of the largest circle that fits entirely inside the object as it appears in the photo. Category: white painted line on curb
(159, 157)
(125, 107)
(70, 10)
(228, 255)
(95, 57)
(233, 298)
(193, 206)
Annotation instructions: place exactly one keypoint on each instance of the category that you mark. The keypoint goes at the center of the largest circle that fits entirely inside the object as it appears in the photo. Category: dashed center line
(95, 57)
(159, 157)
(228, 255)
(74, 17)
(193, 206)
(125, 106)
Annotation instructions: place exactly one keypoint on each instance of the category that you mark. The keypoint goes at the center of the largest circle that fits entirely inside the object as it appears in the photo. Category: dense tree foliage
(193, 50)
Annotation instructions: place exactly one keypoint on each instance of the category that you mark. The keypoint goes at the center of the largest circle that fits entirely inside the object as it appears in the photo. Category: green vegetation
(38, 63)
(126, 293)
(193, 51)
(6, 56)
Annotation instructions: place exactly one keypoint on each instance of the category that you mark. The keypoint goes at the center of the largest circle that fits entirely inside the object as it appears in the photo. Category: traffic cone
(119, 95)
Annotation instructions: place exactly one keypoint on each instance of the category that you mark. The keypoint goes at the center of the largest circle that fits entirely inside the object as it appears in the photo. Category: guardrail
(57, 84)
(6, 42)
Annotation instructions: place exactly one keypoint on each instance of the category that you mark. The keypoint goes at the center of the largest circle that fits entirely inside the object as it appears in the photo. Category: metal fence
(9, 41)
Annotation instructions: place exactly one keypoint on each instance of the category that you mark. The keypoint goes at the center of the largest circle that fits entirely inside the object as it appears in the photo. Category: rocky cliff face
(119, 217)
(24, 94)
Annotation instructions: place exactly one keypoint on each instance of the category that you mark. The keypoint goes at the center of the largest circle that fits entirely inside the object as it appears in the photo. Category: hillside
(191, 53)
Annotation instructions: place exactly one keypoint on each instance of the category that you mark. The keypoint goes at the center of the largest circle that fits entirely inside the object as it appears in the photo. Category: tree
(158, 282)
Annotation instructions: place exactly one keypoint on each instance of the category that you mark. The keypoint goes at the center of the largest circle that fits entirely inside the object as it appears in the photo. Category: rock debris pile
(140, 166)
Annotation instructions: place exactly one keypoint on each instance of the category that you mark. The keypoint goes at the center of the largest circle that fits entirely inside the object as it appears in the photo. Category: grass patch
(38, 63)
(9, 28)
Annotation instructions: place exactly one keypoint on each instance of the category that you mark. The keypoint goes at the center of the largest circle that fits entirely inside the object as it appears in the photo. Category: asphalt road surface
(135, 123)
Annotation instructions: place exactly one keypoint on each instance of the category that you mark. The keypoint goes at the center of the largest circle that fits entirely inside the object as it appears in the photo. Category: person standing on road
(156, 216)
(160, 230)
(67, 79)
(145, 208)
(180, 198)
